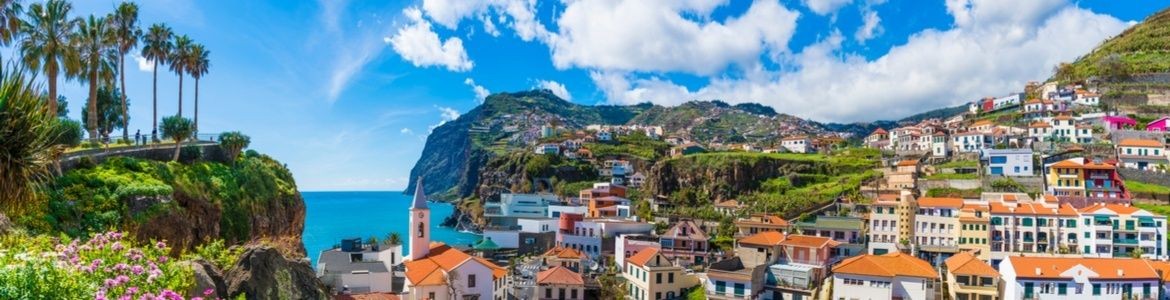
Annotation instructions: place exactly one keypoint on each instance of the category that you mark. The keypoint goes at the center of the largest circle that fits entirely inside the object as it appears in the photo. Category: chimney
(1038, 272)
(1120, 273)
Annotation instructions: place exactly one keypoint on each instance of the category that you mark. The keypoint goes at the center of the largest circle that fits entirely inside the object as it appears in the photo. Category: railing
(1125, 241)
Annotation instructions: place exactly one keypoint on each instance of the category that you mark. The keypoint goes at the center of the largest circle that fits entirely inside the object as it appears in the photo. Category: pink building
(1118, 122)
(1158, 125)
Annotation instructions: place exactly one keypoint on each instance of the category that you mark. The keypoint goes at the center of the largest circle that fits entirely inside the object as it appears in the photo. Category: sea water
(332, 216)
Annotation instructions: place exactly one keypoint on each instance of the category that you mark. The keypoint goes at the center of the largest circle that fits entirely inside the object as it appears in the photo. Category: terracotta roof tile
(442, 258)
(1139, 143)
(564, 252)
(367, 296)
(766, 238)
(964, 263)
(1120, 209)
(559, 275)
(808, 241)
(642, 257)
(1105, 268)
(886, 265)
(908, 163)
(940, 202)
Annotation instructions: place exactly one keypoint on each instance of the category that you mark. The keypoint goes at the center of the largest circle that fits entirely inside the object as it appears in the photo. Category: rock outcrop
(262, 272)
(724, 176)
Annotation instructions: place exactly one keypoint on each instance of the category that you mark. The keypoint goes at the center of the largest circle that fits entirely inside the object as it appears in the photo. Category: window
(658, 278)
(1096, 288)
(561, 293)
(720, 287)
(739, 289)
(1062, 288)
(420, 229)
(470, 280)
(547, 293)
(670, 277)
(431, 295)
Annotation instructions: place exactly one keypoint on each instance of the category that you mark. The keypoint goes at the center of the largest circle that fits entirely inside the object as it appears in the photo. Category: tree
(26, 131)
(394, 238)
(176, 128)
(46, 47)
(1136, 253)
(109, 117)
(157, 48)
(1113, 67)
(179, 62)
(233, 143)
(451, 281)
(9, 20)
(611, 286)
(124, 21)
(94, 40)
(197, 65)
(66, 134)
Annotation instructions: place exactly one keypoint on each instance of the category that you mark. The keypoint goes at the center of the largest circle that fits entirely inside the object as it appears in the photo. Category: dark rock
(207, 276)
(262, 272)
(5, 224)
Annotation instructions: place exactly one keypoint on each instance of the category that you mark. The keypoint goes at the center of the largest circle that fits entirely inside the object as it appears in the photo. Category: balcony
(1133, 241)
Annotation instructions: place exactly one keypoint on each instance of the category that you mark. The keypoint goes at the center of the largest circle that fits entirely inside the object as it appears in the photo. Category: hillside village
(1048, 192)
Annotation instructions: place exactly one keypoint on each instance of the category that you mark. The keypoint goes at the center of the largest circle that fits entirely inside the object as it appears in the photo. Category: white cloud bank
(993, 48)
(825, 7)
(480, 91)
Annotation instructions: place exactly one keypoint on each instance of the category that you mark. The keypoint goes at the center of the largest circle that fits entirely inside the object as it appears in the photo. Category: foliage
(45, 47)
(951, 176)
(697, 293)
(109, 112)
(218, 253)
(809, 196)
(1143, 48)
(950, 192)
(67, 133)
(107, 265)
(177, 128)
(1142, 187)
(87, 200)
(26, 139)
(636, 145)
(233, 142)
(958, 164)
(1008, 185)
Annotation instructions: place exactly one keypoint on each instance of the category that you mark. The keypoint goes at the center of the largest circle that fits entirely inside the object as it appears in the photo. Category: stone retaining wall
(208, 151)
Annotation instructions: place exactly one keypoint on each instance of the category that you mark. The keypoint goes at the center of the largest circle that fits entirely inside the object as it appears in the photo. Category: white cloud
(556, 87)
(144, 64)
(480, 92)
(871, 27)
(990, 51)
(406, 131)
(519, 15)
(446, 114)
(825, 7)
(421, 46)
(600, 34)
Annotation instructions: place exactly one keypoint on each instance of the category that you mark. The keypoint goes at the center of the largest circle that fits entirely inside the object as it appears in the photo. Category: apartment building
(890, 223)
(975, 230)
(685, 243)
(1008, 162)
(887, 276)
(848, 231)
(650, 275)
(1141, 154)
(970, 278)
(937, 228)
(1119, 230)
(1078, 278)
(1020, 225)
(760, 222)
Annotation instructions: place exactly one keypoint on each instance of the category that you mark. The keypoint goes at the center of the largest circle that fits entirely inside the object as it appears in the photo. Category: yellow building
(650, 275)
(1066, 178)
(974, 231)
(969, 278)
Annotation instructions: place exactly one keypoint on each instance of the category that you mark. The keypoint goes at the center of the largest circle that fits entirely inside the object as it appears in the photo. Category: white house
(797, 144)
(971, 141)
(605, 136)
(1009, 162)
(548, 148)
(359, 267)
(1078, 278)
(1141, 154)
(440, 272)
(889, 276)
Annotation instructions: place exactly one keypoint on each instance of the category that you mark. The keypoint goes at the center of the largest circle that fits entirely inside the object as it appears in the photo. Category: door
(996, 170)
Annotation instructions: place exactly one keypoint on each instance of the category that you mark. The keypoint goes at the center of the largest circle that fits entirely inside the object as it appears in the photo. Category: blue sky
(344, 92)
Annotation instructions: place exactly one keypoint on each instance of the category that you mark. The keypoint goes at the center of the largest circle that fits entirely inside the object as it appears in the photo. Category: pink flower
(162, 259)
(117, 246)
(208, 292)
(137, 270)
(122, 279)
(160, 245)
(132, 290)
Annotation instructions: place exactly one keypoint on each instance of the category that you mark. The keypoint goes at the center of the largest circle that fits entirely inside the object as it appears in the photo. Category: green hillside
(1143, 48)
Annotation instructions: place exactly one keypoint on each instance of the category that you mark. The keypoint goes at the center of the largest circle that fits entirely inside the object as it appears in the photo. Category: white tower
(420, 224)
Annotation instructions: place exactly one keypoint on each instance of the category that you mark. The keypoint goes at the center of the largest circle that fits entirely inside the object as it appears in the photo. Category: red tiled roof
(1139, 143)
(1105, 268)
(441, 258)
(808, 241)
(886, 265)
(642, 257)
(559, 275)
(367, 296)
(940, 202)
(965, 263)
(766, 238)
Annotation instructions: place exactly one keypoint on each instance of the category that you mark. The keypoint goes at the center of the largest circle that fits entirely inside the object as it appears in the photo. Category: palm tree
(394, 239)
(176, 128)
(26, 129)
(179, 62)
(233, 142)
(197, 65)
(45, 48)
(94, 40)
(156, 47)
(126, 32)
(9, 20)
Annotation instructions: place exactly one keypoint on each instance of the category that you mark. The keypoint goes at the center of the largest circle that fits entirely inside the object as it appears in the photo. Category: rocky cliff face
(724, 176)
(456, 151)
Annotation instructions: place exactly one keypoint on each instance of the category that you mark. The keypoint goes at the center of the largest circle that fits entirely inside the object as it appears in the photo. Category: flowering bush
(107, 266)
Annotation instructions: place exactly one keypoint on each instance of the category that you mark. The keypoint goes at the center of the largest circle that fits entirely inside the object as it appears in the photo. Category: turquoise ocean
(332, 216)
